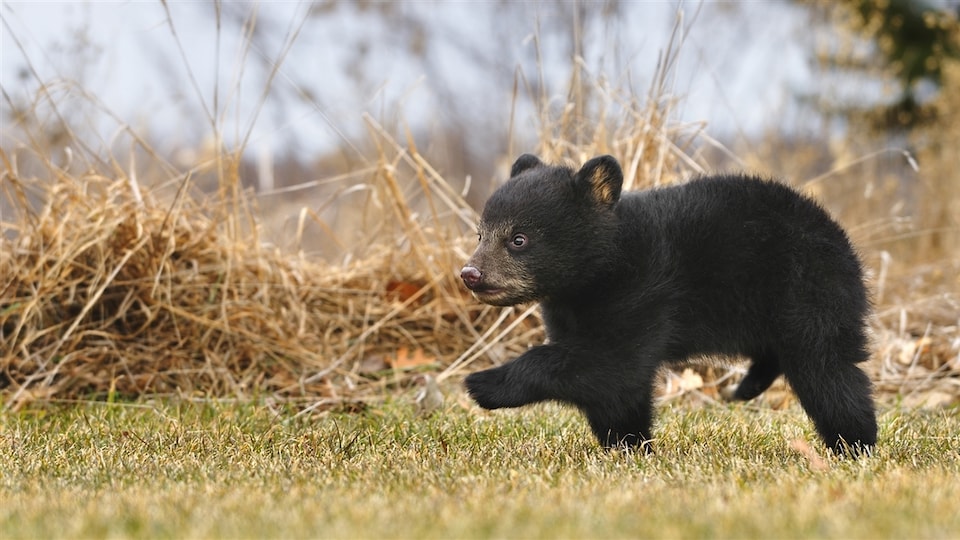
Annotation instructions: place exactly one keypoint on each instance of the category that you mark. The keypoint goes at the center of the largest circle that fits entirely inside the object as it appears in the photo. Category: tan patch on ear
(600, 186)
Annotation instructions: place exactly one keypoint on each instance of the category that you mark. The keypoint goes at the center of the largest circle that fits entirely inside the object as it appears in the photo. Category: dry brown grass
(108, 290)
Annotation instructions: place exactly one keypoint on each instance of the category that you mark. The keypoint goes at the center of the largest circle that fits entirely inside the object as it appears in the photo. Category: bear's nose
(471, 276)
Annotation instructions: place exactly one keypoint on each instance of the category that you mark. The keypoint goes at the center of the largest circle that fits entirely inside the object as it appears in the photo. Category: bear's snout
(471, 277)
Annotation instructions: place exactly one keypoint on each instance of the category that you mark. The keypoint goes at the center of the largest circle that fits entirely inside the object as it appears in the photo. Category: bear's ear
(524, 162)
(604, 179)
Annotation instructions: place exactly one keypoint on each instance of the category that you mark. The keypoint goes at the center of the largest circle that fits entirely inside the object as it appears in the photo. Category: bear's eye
(518, 242)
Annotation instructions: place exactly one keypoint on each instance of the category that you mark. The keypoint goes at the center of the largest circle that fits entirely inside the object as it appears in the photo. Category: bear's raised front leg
(613, 391)
(552, 372)
(527, 379)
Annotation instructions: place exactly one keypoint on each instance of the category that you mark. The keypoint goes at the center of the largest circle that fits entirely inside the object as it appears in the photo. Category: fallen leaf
(816, 462)
(404, 360)
(402, 290)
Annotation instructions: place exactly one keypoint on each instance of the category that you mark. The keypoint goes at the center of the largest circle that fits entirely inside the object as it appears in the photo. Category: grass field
(178, 469)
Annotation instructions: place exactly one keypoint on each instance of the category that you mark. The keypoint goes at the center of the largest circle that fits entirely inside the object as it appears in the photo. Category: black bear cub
(725, 265)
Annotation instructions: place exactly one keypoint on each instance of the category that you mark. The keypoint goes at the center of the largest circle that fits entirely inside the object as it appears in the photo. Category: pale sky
(738, 69)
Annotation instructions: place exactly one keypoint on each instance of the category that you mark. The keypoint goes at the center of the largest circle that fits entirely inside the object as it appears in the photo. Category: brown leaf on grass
(404, 360)
(817, 463)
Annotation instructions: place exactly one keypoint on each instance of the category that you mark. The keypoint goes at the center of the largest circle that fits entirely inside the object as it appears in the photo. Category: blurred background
(289, 81)
(447, 69)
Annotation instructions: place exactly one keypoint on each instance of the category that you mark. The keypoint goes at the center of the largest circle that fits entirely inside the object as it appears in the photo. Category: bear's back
(739, 255)
(732, 220)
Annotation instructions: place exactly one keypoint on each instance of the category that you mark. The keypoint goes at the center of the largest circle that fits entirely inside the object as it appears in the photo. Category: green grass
(175, 469)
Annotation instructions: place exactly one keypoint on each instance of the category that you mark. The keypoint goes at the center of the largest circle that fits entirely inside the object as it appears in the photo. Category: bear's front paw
(487, 388)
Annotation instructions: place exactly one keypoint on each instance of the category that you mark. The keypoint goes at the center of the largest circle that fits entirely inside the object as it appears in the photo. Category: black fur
(725, 265)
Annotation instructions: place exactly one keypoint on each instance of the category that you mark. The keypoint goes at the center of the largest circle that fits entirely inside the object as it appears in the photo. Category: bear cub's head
(549, 231)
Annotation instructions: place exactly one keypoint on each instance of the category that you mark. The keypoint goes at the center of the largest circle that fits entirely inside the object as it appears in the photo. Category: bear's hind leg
(622, 429)
(837, 395)
(760, 375)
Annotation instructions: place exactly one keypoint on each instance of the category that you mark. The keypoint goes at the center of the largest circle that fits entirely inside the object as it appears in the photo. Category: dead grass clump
(917, 336)
(109, 292)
